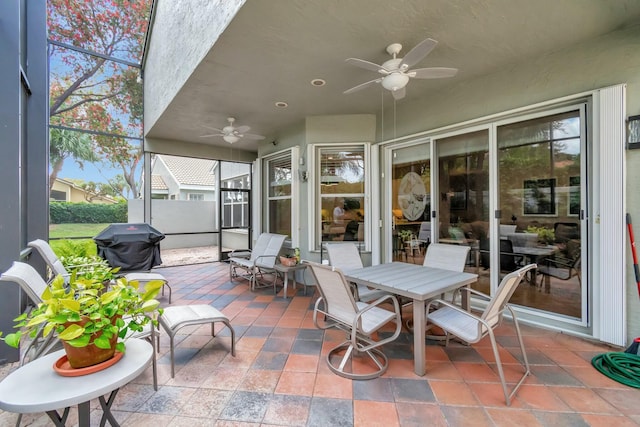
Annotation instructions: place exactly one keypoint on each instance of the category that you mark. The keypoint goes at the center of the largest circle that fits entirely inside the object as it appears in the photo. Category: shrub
(87, 213)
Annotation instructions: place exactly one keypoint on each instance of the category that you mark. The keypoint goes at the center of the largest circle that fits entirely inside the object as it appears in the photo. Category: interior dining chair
(471, 328)
(57, 268)
(345, 256)
(337, 308)
(562, 266)
(257, 261)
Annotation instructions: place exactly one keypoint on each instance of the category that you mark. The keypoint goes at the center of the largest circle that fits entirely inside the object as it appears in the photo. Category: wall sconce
(633, 132)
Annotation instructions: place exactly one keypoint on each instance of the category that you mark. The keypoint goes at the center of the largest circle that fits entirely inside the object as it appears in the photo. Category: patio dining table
(418, 283)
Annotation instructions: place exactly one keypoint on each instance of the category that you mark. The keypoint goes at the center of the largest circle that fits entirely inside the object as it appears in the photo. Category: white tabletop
(36, 387)
(410, 280)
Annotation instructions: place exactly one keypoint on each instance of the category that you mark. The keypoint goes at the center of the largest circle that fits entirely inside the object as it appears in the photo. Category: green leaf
(150, 305)
(13, 339)
(71, 304)
(72, 332)
(120, 347)
(102, 342)
(82, 341)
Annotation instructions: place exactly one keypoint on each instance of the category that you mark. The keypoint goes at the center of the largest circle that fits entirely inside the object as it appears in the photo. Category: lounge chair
(262, 258)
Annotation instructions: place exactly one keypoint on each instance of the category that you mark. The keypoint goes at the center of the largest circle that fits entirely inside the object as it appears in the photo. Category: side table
(36, 387)
(284, 270)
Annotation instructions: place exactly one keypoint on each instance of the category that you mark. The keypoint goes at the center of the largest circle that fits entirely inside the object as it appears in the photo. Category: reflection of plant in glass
(545, 235)
(405, 235)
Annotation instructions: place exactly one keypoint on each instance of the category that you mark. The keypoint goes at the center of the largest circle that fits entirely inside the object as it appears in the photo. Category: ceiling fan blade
(432, 73)
(213, 134)
(399, 94)
(361, 63)
(416, 54)
(251, 136)
(242, 129)
(212, 128)
(361, 86)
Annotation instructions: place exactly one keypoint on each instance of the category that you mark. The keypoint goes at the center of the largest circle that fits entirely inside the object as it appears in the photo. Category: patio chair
(33, 285)
(262, 258)
(470, 328)
(57, 268)
(345, 256)
(337, 308)
(446, 257)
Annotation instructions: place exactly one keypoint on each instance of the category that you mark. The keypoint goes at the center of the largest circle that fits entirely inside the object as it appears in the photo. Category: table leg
(84, 414)
(58, 420)
(106, 410)
(285, 283)
(419, 324)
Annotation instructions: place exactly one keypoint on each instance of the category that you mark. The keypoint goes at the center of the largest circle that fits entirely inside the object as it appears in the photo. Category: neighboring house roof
(157, 183)
(62, 184)
(190, 171)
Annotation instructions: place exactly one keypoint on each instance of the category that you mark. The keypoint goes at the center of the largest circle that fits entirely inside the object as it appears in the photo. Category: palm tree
(65, 144)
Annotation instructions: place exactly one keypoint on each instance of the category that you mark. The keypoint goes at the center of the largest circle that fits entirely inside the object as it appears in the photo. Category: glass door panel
(411, 202)
(540, 199)
(235, 202)
(463, 202)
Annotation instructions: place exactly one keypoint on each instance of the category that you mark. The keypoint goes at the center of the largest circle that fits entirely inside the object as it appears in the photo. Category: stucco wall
(175, 52)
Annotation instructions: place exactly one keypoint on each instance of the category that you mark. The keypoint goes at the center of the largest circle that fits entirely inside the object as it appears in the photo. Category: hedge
(87, 213)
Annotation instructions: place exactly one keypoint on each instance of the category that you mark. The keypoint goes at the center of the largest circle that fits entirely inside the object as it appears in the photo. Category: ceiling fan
(231, 133)
(396, 72)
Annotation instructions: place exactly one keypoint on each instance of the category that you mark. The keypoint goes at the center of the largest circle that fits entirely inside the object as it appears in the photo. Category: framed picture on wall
(574, 195)
(539, 197)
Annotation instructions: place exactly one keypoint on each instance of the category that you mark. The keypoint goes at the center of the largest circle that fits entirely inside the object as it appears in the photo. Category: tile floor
(279, 376)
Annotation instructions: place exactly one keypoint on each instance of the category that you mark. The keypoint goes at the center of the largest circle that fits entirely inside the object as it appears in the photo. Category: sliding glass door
(541, 188)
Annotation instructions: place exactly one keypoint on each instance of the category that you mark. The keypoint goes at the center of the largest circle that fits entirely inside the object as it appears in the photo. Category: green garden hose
(619, 366)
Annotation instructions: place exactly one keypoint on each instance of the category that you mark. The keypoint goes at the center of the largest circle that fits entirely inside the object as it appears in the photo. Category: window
(340, 185)
(279, 194)
(235, 204)
(195, 196)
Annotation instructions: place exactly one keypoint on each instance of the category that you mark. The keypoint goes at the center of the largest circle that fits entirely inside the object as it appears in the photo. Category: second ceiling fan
(396, 72)
(231, 133)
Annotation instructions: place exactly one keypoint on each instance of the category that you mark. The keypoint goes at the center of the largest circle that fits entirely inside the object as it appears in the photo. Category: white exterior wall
(183, 33)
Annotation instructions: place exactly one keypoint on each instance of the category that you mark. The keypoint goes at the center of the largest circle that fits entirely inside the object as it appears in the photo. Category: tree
(64, 144)
(91, 92)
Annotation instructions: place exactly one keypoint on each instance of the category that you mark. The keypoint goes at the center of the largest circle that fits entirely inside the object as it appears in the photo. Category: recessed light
(282, 104)
(318, 82)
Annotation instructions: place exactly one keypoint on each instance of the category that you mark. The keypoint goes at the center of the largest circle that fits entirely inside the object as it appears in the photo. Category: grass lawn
(57, 231)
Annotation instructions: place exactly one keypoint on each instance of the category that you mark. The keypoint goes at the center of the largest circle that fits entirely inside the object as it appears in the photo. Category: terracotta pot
(80, 357)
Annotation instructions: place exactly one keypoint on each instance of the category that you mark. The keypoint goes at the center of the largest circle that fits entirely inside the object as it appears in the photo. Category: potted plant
(88, 316)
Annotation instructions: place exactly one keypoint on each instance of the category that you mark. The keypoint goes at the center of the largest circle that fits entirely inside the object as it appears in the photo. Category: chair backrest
(344, 256)
(27, 278)
(268, 244)
(448, 257)
(507, 287)
(49, 257)
(425, 231)
(339, 302)
(507, 229)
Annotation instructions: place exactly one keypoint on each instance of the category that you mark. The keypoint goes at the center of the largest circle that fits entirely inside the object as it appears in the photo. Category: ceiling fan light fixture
(231, 138)
(395, 81)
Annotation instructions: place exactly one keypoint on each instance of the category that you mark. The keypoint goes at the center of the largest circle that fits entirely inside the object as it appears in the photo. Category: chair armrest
(255, 261)
(240, 253)
(471, 291)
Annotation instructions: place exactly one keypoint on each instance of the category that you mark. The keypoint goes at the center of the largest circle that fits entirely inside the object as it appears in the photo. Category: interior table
(419, 283)
(36, 387)
(531, 254)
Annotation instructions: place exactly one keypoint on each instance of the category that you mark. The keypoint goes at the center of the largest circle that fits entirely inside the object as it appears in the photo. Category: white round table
(36, 387)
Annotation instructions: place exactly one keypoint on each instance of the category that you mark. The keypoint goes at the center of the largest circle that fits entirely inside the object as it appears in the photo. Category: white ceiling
(272, 49)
